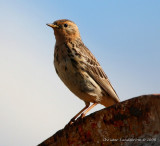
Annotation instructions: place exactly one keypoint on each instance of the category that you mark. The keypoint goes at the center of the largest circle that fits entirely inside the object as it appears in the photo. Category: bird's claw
(82, 116)
(71, 121)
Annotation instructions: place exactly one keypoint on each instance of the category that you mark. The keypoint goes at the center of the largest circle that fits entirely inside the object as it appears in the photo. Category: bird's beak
(53, 25)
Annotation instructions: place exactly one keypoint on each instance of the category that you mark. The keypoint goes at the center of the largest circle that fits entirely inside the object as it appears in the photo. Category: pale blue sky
(123, 35)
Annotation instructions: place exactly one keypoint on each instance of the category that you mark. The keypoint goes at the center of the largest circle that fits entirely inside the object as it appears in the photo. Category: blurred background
(34, 103)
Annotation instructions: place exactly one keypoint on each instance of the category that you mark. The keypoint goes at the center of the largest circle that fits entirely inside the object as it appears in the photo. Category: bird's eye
(65, 25)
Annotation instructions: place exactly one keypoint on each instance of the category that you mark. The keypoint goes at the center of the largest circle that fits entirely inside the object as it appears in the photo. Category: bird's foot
(71, 121)
(82, 116)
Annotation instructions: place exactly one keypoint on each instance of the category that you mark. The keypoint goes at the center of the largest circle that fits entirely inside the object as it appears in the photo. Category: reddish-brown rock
(133, 122)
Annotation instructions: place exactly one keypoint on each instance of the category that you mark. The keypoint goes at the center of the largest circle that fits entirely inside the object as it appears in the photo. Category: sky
(34, 103)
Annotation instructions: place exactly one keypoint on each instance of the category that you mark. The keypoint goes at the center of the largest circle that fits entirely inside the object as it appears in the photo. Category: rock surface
(132, 122)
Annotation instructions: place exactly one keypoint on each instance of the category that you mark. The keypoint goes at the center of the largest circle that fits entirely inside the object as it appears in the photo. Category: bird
(79, 69)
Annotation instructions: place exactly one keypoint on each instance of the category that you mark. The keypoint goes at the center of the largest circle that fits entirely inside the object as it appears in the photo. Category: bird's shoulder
(77, 48)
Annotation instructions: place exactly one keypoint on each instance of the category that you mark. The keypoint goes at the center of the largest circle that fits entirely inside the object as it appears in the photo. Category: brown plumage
(79, 69)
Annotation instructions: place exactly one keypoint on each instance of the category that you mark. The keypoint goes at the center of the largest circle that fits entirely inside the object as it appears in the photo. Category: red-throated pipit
(79, 69)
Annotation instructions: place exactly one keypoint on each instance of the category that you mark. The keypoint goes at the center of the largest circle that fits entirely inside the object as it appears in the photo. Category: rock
(132, 122)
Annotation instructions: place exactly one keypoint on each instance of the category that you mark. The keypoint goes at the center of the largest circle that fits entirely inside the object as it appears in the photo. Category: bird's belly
(78, 82)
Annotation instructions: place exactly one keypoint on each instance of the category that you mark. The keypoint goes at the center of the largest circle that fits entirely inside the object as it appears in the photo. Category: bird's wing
(96, 72)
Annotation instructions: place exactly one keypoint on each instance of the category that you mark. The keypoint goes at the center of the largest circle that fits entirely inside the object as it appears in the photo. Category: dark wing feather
(96, 71)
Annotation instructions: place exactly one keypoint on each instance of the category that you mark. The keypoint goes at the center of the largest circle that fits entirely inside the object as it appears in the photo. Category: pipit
(79, 69)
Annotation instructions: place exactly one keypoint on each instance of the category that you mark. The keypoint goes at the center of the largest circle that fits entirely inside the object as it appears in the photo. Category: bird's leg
(85, 112)
(73, 119)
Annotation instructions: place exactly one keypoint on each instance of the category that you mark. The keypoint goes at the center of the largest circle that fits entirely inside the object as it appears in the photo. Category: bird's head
(64, 30)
